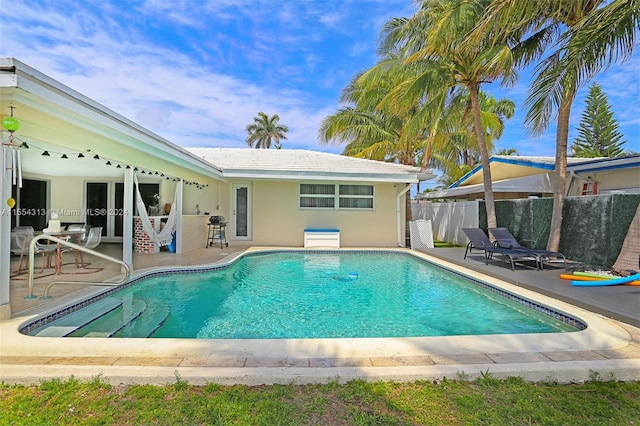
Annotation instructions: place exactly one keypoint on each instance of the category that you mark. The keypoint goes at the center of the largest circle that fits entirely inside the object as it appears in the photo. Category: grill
(217, 234)
(217, 220)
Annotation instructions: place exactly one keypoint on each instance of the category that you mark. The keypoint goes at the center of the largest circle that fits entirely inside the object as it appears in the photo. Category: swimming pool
(306, 295)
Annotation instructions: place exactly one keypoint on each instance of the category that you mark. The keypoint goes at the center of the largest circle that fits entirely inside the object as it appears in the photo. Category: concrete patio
(616, 352)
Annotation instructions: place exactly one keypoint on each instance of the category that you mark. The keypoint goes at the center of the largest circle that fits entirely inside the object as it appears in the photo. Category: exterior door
(104, 201)
(97, 196)
(105, 206)
(241, 212)
(31, 209)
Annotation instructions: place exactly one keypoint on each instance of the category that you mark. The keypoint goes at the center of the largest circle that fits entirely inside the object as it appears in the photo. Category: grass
(443, 244)
(452, 402)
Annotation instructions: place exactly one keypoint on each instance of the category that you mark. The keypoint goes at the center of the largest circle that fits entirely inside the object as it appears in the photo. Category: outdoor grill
(217, 234)
(217, 220)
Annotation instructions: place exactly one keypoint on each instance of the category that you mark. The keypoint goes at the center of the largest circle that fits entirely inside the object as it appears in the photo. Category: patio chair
(504, 238)
(91, 241)
(478, 240)
(21, 238)
(79, 238)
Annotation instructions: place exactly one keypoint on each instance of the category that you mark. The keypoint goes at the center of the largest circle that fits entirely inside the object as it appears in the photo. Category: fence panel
(593, 227)
(448, 219)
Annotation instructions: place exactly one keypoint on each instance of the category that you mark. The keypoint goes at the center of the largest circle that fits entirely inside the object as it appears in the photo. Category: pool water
(287, 295)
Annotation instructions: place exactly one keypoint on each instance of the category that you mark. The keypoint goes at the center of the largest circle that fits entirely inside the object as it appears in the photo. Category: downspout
(401, 239)
(573, 176)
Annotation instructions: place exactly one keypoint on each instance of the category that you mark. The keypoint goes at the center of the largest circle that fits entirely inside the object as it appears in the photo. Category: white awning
(541, 183)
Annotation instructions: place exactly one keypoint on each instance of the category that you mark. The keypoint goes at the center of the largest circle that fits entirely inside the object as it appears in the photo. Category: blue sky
(197, 71)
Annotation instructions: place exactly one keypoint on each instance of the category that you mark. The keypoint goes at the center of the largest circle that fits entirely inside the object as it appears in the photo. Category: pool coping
(605, 346)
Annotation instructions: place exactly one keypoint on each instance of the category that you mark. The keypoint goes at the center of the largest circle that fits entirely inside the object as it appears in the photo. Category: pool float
(582, 277)
(600, 282)
(593, 275)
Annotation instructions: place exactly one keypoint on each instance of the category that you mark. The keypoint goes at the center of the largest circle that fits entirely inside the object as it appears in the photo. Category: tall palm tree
(493, 112)
(369, 129)
(437, 34)
(266, 130)
(372, 129)
(581, 38)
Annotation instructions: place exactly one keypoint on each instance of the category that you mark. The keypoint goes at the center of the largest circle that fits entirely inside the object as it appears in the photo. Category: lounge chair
(504, 238)
(478, 240)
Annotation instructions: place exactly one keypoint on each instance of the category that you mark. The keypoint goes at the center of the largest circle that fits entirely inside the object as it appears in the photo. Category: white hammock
(165, 236)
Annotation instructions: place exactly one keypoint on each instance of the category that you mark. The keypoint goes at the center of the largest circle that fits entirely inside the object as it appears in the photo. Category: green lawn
(442, 244)
(486, 401)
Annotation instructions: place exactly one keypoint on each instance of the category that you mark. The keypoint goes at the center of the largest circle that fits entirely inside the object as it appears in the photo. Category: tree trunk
(474, 89)
(408, 212)
(629, 258)
(427, 149)
(560, 172)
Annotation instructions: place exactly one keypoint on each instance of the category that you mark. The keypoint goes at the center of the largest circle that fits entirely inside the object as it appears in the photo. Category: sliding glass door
(105, 205)
(31, 207)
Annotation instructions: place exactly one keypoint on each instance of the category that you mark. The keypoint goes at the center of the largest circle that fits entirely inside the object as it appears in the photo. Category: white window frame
(336, 196)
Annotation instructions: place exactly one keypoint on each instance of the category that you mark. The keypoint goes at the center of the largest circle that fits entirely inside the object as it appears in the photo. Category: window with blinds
(313, 196)
(334, 196)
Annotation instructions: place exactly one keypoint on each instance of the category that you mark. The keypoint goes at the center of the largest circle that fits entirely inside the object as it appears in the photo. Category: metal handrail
(74, 246)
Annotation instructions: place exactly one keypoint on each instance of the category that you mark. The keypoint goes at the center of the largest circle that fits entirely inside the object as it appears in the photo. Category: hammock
(164, 237)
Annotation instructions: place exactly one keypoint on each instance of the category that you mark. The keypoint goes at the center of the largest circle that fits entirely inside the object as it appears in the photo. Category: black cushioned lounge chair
(478, 240)
(504, 238)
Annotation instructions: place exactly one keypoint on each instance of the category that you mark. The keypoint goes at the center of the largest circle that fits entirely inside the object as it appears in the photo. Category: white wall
(278, 221)
(448, 219)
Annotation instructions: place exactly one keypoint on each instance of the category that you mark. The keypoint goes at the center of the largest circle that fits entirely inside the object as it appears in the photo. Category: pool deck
(610, 347)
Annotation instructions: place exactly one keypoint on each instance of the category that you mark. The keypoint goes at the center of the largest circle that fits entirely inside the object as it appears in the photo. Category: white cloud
(208, 67)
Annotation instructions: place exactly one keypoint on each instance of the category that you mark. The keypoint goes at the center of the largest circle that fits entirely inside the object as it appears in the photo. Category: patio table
(61, 234)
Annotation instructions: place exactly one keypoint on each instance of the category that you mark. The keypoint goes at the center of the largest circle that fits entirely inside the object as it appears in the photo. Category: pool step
(146, 324)
(111, 323)
(75, 320)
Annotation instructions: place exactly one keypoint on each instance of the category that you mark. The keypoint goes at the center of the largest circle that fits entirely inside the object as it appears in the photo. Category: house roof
(510, 166)
(528, 174)
(601, 164)
(61, 121)
(304, 164)
(538, 183)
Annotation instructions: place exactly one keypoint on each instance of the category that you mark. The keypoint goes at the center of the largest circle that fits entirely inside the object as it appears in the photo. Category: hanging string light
(66, 155)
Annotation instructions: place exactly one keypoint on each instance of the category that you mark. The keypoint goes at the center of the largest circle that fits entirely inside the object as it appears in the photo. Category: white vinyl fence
(447, 219)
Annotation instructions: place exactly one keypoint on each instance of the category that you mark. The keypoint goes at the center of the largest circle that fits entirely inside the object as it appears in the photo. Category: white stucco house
(76, 158)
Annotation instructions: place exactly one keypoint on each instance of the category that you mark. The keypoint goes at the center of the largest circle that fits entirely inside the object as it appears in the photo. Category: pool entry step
(110, 317)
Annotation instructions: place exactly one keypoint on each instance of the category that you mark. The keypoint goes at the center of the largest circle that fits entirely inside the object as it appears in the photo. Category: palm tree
(457, 148)
(370, 129)
(266, 130)
(507, 151)
(436, 35)
(582, 38)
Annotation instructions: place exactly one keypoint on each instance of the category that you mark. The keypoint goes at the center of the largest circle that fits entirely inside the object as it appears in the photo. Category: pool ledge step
(72, 322)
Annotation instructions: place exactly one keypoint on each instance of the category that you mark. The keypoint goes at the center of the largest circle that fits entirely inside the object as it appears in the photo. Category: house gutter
(401, 240)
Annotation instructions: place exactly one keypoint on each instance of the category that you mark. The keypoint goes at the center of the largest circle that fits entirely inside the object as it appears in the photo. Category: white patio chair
(91, 241)
(21, 238)
(79, 238)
